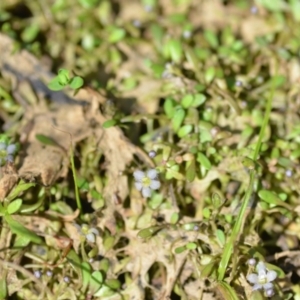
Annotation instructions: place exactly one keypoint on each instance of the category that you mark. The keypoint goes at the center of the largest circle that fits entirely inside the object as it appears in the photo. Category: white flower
(7, 152)
(146, 183)
(87, 233)
(263, 278)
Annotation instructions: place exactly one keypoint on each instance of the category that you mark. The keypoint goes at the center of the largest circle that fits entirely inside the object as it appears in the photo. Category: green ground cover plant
(149, 149)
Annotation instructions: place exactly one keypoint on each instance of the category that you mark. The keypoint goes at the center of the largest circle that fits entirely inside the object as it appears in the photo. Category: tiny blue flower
(252, 262)
(87, 232)
(37, 274)
(7, 152)
(146, 182)
(263, 279)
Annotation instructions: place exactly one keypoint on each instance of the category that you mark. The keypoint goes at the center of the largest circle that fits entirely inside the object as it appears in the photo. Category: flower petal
(271, 275)
(252, 278)
(152, 173)
(9, 158)
(78, 227)
(90, 237)
(11, 149)
(154, 184)
(94, 231)
(268, 286)
(138, 175)
(257, 286)
(146, 192)
(138, 186)
(261, 267)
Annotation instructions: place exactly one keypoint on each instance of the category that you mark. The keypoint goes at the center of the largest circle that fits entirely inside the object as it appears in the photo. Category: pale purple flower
(87, 232)
(252, 262)
(254, 10)
(288, 173)
(269, 293)
(37, 274)
(152, 154)
(7, 152)
(263, 279)
(238, 83)
(146, 182)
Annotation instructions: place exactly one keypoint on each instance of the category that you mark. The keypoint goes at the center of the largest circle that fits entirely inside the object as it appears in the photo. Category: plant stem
(239, 225)
(75, 179)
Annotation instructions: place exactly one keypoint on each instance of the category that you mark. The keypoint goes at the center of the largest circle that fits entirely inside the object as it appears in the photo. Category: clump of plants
(171, 172)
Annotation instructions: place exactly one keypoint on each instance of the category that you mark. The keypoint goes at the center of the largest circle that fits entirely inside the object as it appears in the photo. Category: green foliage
(218, 105)
(63, 80)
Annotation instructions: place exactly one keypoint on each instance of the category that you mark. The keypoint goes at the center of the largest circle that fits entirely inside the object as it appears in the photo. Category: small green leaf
(63, 77)
(55, 85)
(14, 206)
(204, 161)
(104, 292)
(116, 35)
(211, 38)
(173, 172)
(209, 270)
(114, 284)
(21, 242)
(190, 170)
(185, 130)
(109, 123)
(96, 281)
(148, 232)
(199, 99)
(75, 261)
(295, 9)
(221, 237)
(94, 252)
(257, 295)
(169, 105)
(191, 246)
(76, 83)
(104, 265)
(46, 140)
(174, 218)
(179, 250)
(178, 119)
(206, 212)
(86, 275)
(21, 187)
(187, 101)
(108, 242)
(175, 50)
(30, 33)
(210, 74)
(20, 230)
(272, 198)
(248, 163)
(216, 201)
(277, 81)
(227, 291)
(3, 288)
